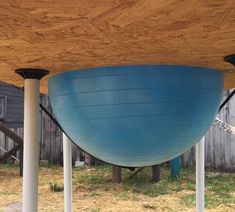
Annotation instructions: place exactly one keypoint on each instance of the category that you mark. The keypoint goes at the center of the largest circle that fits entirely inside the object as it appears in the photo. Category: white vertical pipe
(200, 175)
(67, 154)
(31, 145)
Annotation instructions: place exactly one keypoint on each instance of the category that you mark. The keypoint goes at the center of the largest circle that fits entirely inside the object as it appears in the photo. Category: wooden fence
(51, 144)
(219, 145)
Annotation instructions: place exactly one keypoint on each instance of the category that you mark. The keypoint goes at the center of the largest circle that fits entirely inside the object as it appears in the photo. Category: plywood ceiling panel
(61, 35)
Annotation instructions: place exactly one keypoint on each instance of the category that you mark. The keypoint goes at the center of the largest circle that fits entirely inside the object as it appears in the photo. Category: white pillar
(67, 154)
(31, 136)
(31, 145)
(200, 175)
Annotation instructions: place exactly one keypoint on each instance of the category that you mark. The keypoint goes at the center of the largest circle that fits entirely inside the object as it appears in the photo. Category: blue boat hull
(136, 115)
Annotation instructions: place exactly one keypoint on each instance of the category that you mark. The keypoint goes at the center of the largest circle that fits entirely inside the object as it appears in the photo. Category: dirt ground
(92, 194)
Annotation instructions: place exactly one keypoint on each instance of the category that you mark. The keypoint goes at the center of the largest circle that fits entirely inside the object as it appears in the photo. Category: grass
(220, 187)
(142, 183)
(149, 206)
(189, 200)
(8, 166)
(56, 187)
(220, 190)
(94, 191)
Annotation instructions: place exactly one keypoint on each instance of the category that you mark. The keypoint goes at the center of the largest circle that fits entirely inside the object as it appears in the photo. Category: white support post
(67, 154)
(200, 175)
(31, 137)
(31, 145)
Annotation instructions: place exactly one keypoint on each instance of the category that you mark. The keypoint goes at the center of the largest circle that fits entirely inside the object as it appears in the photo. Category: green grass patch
(98, 178)
(8, 166)
(189, 200)
(142, 183)
(220, 190)
(147, 206)
(56, 187)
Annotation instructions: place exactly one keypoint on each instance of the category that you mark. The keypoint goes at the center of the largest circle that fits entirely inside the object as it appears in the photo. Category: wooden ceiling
(60, 35)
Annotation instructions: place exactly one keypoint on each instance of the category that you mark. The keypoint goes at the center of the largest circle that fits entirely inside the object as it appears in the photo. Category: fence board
(2, 143)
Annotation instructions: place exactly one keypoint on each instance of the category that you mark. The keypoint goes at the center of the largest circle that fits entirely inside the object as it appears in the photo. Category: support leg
(31, 137)
(67, 154)
(117, 174)
(200, 175)
(156, 173)
(175, 167)
(31, 145)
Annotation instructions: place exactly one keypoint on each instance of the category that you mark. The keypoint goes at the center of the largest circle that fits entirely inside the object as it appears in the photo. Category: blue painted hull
(136, 115)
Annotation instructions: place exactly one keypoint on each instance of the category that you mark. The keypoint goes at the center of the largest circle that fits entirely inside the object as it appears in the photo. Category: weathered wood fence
(220, 145)
(51, 144)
